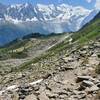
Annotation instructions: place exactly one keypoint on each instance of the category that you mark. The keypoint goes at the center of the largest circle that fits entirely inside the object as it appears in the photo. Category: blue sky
(85, 3)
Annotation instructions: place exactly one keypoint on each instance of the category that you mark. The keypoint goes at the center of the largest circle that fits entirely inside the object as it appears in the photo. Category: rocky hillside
(68, 70)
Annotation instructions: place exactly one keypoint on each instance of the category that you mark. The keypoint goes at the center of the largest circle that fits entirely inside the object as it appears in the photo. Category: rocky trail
(74, 78)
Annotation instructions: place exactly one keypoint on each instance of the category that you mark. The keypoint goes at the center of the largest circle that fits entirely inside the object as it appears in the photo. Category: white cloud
(97, 5)
(89, 1)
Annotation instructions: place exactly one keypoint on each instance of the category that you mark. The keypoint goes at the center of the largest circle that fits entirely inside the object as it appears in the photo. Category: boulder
(67, 59)
(81, 78)
(87, 83)
(66, 68)
(92, 89)
(50, 94)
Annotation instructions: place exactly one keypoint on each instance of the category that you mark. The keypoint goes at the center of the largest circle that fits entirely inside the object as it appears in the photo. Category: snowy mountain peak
(41, 12)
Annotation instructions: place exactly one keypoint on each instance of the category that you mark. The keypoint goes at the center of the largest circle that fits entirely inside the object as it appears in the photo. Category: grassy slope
(89, 31)
(14, 50)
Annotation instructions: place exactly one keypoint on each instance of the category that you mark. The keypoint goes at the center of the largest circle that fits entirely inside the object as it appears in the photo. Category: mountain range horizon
(19, 20)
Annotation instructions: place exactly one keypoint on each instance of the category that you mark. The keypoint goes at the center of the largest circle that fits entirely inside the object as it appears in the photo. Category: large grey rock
(24, 91)
(81, 78)
(87, 83)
